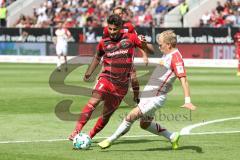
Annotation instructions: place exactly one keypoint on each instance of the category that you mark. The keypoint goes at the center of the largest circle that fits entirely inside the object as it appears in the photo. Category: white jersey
(62, 40)
(160, 83)
(62, 36)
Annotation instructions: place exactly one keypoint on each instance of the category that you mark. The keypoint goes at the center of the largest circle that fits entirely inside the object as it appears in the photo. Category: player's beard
(115, 36)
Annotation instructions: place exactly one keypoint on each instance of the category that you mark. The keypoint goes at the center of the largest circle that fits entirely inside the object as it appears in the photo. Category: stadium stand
(202, 10)
(146, 13)
(77, 13)
(224, 15)
(173, 17)
(6, 2)
(20, 8)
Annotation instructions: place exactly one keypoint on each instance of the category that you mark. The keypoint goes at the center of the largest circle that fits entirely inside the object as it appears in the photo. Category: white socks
(155, 128)
(122, 129)
(58, 63)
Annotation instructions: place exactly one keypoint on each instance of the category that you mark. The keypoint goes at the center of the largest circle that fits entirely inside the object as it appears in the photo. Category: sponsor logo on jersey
(118, 52)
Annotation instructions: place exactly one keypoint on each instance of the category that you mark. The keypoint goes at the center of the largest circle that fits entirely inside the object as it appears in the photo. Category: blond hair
(169, 37)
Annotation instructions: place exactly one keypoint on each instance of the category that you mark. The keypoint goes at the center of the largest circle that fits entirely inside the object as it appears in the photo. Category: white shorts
(149, 105)
(61, 50)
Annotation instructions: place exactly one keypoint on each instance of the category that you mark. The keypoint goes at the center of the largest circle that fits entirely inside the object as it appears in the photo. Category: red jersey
(237, 38)
(237, 43)
(127, 28)
(118, 57)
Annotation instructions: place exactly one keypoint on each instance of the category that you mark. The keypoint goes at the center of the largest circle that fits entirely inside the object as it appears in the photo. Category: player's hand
(142, 38)
(54, 40)
(237, 56)
(86, 77)
(189, 106)
(136, 99)
(145, 60)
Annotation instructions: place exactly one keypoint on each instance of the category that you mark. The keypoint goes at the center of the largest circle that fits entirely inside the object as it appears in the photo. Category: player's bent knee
(133, 76)
(128, 119)
(94, 102)
(145, 124)
(134, 81)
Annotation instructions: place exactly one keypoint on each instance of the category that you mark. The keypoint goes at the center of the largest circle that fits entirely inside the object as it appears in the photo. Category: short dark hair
(125, 10)
(115, 20)
(116, 8)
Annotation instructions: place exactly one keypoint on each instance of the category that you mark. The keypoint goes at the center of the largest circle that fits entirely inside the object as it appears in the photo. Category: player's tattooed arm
(148, 48)
(144, 56)
(92, 67)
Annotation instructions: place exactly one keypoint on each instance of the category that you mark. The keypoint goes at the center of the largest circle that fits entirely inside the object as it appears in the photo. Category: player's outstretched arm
(147, 48)
(144, 56)
(91, 67)
(186, 91)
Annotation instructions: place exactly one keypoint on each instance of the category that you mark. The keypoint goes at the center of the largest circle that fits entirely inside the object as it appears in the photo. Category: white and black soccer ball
(82, 141)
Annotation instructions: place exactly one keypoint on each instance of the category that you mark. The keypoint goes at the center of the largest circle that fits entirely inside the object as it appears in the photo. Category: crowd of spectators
(144, 13)
(80, 13)
(4, 11)
(6, 2)
(224, 15)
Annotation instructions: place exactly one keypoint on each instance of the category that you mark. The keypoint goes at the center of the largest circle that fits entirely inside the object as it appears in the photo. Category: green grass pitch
(27, 113)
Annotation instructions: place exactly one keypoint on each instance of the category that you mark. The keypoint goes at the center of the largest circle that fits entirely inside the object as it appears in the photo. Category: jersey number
(100, 86)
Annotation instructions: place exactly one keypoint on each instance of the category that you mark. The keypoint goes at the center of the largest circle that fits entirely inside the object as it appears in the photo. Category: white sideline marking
(207, 133)
(136, 136)
(186, 130)
(33, 141)
(57, 140)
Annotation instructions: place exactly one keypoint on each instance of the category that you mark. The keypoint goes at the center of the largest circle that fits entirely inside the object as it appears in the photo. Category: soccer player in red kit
(173, 65)
(117, 54)
(237, 44)
(129, 28)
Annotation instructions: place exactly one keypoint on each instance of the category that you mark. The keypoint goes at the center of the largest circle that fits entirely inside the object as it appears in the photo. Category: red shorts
(107, 88)
(238, 54)
(238, 51)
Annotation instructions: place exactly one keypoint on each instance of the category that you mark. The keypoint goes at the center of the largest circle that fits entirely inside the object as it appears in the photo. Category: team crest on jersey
(125, 43)
(180, 69)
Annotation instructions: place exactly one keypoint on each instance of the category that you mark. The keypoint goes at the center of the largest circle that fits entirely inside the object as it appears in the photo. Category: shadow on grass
(137, 141)
(132, 141)
(194, 148)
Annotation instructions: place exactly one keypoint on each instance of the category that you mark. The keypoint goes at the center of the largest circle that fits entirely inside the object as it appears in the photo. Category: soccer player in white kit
(63, 35)
(171, 67)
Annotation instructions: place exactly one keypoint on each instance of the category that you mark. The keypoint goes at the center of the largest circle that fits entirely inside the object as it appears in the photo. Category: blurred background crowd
(143, 13)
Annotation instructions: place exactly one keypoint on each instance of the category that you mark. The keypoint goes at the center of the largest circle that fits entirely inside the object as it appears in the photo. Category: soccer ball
(81, 141)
